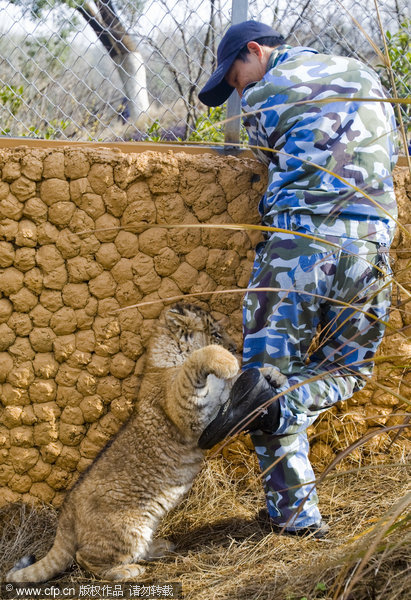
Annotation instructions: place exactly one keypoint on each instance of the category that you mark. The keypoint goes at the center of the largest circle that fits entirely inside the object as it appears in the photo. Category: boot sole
(242, 396)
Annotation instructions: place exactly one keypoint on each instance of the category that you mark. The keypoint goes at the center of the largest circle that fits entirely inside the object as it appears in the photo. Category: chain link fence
(119, 70)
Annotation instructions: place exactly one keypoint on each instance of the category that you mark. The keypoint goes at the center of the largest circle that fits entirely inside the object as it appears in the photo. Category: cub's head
(182, 329)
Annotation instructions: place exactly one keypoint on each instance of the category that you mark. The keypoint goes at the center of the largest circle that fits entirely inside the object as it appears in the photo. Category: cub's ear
(176, 317)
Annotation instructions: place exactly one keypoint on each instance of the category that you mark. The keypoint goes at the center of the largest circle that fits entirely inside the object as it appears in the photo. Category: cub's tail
(58, 558)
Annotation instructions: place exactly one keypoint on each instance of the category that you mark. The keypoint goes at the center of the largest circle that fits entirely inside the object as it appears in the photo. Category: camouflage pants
(343, 290)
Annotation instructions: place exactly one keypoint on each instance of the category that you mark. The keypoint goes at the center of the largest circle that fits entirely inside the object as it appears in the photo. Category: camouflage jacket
(353, 139)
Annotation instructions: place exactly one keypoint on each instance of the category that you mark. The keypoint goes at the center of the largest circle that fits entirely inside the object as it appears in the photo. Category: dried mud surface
(70, 257)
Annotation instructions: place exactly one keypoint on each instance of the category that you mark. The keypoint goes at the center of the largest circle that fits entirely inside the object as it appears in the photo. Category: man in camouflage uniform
(329, 176)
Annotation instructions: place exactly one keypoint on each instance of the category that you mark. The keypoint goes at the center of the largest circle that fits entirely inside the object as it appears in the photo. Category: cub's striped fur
(109, 517)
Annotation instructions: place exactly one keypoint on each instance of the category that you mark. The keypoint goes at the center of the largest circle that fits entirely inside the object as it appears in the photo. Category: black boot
(250, 391)
(318, 531)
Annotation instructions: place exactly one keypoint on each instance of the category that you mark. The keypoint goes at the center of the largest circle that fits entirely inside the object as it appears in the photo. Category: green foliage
(11, 97)
(321, 587)
(52, 130)
(399, 50)
(207, 127)
(319, 591)
(57, 50)
(153, 133)
(210, 127)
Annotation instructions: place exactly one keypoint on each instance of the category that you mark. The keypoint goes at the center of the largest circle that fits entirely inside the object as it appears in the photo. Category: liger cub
(108, 519)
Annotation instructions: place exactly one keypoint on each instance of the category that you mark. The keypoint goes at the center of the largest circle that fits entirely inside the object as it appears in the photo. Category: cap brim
(216, 90)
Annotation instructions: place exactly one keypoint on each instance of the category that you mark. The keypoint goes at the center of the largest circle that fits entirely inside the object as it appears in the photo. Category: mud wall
(70, 365)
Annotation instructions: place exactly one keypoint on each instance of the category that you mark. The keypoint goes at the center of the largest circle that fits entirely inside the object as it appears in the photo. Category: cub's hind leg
(129, 572)
(116, 566)
(110, 570)
(116, 557)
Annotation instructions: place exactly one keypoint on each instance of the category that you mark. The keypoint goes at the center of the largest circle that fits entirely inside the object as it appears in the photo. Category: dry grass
(224, 551)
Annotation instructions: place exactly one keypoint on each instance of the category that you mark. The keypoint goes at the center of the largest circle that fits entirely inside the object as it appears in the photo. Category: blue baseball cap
(216, 90)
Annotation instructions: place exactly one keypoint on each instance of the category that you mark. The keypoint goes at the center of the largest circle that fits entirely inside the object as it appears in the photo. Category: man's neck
(274, 55)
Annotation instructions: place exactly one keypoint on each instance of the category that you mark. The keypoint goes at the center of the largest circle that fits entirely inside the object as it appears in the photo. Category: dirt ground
(225, 551)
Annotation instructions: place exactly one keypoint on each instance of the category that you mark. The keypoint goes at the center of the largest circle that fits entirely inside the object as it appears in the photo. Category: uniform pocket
(314, 275)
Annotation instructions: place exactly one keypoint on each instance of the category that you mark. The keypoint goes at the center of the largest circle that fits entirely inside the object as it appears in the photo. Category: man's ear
(255, 48)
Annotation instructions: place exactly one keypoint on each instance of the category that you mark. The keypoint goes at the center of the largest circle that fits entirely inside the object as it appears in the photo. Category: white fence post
(239, 11)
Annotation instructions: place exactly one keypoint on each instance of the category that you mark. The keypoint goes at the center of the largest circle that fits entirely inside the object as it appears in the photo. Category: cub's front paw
(222, 363)
(274, 376)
